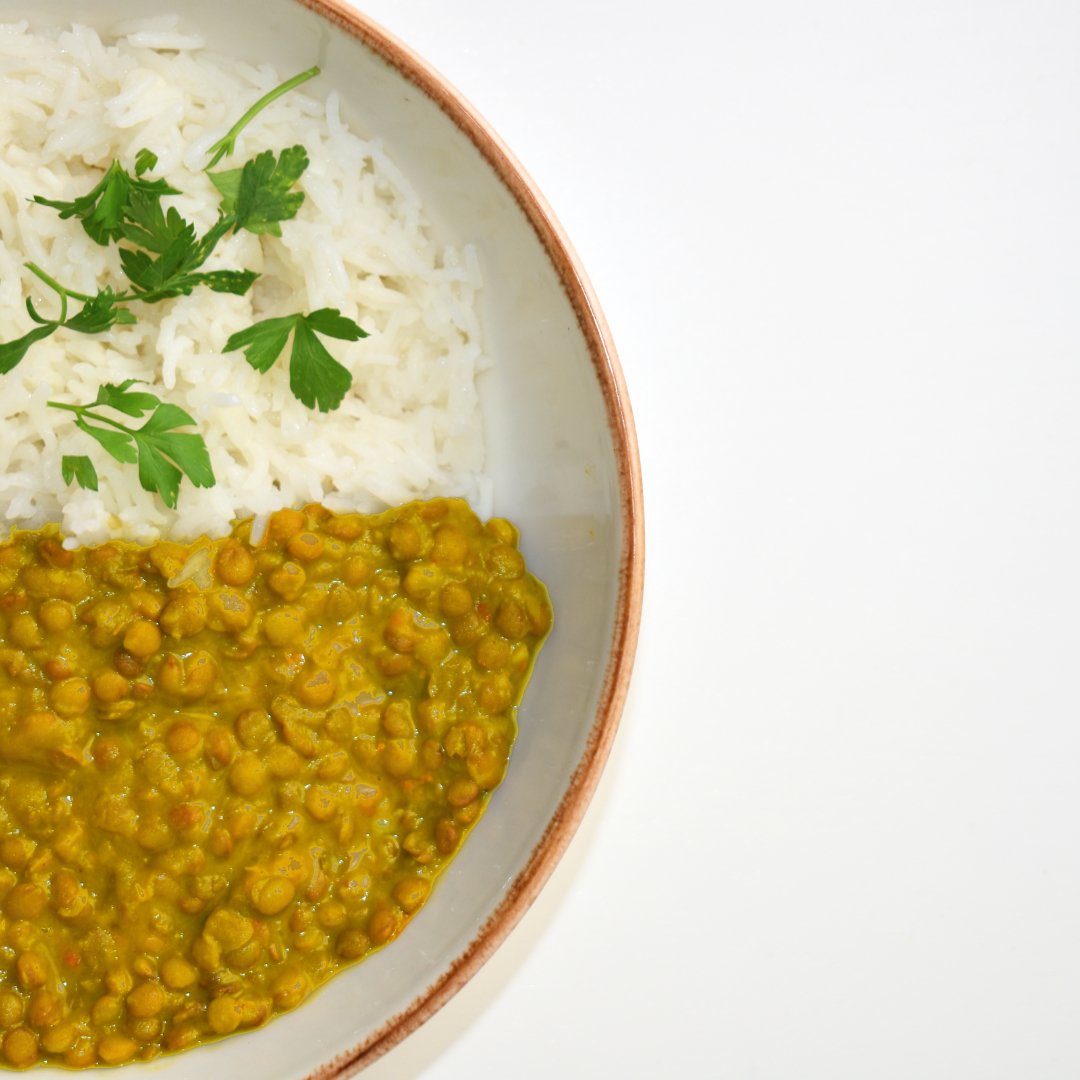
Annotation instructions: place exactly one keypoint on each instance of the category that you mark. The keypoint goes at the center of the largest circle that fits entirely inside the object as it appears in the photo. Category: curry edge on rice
(230, 769)
(232, 766)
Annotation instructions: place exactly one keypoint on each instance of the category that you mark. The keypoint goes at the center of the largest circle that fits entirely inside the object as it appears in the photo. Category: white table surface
(839, 248)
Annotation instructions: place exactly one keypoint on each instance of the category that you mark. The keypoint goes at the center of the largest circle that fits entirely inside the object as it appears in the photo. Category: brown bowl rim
(563, 824)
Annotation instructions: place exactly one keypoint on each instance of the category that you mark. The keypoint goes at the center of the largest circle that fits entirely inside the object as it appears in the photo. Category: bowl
(563, 458)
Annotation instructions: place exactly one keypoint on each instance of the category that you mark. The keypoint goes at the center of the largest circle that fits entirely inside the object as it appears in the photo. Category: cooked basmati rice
(70, 102)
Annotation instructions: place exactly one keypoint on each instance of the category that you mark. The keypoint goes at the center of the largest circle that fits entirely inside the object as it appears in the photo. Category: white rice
(71, 102)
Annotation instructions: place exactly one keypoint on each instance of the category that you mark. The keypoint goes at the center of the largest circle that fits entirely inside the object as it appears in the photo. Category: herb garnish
(315, 377)
(162, 453)
(162, 256)
(257, 196)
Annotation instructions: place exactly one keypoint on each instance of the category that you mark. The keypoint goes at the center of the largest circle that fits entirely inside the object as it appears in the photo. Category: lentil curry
(230, 769)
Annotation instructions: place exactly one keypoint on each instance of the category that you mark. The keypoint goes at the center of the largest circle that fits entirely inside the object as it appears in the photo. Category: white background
(839, 248)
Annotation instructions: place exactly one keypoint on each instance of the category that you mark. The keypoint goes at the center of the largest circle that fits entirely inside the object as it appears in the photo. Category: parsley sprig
(227, 145)
(98, 313)
(102, 209)
(315, 377)
(163, 454)
(258, 196)
(163, 256)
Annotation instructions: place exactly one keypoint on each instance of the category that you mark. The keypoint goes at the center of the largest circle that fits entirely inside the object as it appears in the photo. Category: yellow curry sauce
(227, 770)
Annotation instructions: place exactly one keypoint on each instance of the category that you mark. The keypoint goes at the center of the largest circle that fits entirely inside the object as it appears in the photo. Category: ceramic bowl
(564, 462)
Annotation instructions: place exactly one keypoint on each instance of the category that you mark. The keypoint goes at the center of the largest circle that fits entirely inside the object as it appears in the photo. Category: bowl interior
(559, 472)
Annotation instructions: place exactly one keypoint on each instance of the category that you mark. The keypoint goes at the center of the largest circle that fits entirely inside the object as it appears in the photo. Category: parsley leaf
(122, 398)
(332, 323)
(228, 183)
(236, 282)
(117, 443)
(147, 224)
(12, 352)
(258, 195)
(166, 235)
(179, 253)
(166, 454)
(263, 341)
(98, 314)
(315, 377)
(102, 210)
(145, 160)
(163, 455)
(80, 468)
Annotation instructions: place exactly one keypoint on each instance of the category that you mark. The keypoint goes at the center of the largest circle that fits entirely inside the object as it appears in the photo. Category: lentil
(277, 761)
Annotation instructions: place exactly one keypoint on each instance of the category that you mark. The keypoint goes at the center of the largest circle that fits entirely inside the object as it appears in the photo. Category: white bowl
(564, 463)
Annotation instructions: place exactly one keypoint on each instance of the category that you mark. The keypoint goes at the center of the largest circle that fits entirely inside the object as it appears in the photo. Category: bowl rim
(560, 829)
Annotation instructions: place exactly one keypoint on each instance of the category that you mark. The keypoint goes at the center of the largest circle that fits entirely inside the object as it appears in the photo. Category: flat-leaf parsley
(162, 454)
(315, 377)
